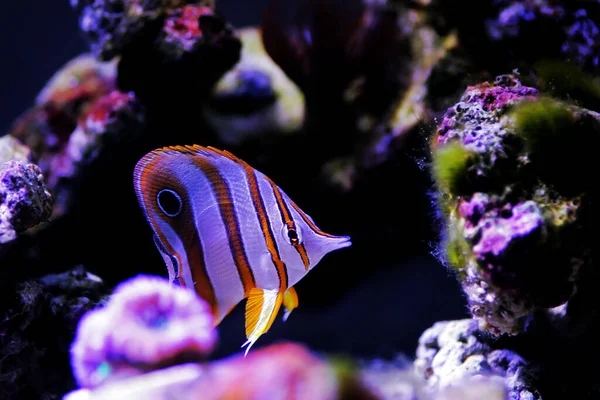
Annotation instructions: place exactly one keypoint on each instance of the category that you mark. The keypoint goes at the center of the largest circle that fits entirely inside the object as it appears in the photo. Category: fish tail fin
(262, 307)
(290, 302)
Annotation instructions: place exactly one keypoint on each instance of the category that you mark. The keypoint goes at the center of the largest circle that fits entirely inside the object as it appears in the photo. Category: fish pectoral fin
(290, 301)
(261, 308)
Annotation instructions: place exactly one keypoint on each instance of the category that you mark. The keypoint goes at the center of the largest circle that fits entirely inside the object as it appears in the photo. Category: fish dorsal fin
(262, 307)
(290, 301)
(196, 149)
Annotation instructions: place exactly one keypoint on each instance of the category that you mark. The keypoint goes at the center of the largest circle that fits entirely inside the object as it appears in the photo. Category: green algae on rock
(514, 225)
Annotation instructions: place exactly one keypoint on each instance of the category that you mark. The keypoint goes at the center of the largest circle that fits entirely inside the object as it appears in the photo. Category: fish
(227, 231)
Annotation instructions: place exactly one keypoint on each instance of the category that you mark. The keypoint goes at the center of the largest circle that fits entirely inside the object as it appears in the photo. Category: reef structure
(516, 230)
(509, 164)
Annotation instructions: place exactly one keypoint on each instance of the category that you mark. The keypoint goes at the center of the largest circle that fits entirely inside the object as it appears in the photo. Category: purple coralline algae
(513, 33)
(190, 50)
(335, 109)
(509, 163)
(147, 324)
(112, 25)
(450, 352)
(24, 199)
(77, 116)
(514, 232)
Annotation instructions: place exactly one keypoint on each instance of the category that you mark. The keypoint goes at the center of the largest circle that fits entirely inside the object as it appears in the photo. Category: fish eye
(169, 202)
(292, 235)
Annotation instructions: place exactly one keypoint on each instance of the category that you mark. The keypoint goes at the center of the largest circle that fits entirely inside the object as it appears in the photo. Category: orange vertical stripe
(261, 211)
(288, 220)
(229, 217)
(259, 205)
(146, 174)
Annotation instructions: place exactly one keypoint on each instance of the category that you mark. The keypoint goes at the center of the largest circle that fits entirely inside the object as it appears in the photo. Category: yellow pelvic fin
(261, 308)
(290, 301)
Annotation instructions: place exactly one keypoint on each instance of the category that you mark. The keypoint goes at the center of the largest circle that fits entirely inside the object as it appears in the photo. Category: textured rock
(37, 325)
(514, 218)
(78, 116)
(455, 352)
(255, 97)
(24, 199)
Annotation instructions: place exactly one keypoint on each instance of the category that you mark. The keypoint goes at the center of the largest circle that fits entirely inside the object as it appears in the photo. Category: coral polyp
(146, 325)
(454, 141)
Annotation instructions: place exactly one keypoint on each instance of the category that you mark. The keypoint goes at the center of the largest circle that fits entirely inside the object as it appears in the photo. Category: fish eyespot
(169, 202)
(292, 235)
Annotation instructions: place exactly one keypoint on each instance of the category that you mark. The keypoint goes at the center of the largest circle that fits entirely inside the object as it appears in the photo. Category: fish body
(229, 232)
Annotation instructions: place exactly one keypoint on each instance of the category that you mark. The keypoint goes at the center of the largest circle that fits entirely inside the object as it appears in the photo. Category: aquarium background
(373, 299)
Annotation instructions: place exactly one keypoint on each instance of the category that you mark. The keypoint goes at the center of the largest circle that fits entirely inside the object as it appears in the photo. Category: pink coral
(146, 325)
(277, 372)
(280, 371)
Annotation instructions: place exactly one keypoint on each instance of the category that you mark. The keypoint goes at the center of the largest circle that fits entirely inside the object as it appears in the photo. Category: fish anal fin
(290, 301)
(262, 307)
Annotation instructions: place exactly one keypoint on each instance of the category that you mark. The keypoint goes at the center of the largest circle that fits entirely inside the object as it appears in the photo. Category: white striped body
(228, 231)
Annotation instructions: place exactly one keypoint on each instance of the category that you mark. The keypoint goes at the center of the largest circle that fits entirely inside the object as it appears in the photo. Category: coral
(147, 324)
(279, 371)
(515, 217)
(113, 25)
(11, 149)
(262, 374)
(553, 359)
(114, 119)
(338, 112)
(77, 116)
(506, 34)
(37, 323)
(190, 50)
(255, 97)
(69, 93)
(583, 38)
(480, 387)
(450, 352)
(24, 199)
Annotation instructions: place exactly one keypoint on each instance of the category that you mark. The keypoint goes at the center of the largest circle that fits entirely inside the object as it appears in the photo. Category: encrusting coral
(77, 116)
(190, 48)
(509, 163)
(150, 325)
(146, 325)
(152, 339)
(516, 217)
(450, 352)
(24, 198)
(337, 112)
